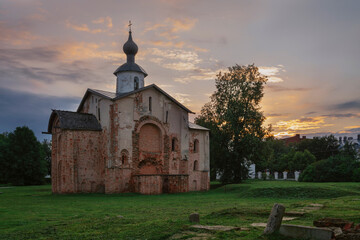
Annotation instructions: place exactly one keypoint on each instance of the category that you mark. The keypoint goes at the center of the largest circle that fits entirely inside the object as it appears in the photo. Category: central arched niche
(150, 138)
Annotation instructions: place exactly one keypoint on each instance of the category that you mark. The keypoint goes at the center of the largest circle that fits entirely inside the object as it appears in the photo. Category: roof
(74, 121)
(197, 127)
(114, 96)
(130, 66)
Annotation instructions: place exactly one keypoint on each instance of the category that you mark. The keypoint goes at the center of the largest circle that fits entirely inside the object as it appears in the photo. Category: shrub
(339, 168)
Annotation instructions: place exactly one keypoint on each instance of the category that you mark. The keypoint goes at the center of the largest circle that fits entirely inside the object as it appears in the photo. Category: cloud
(342, 115)
(274, 115)
(30, 110)
(351, 129)
(180, 60)
(16, 35)
(167, 44)
(272, 73)
(278, 88)
(183, 98)
(199, 75)
(38, 70)
(85, 51)
(105, 21)
(301, 124)
(165, 34)
(350, 105)
(171, 25)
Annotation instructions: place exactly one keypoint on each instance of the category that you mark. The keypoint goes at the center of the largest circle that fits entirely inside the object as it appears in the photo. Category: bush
(339, 168)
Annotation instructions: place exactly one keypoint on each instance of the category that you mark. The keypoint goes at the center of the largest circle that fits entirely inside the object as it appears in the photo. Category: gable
(114, 96)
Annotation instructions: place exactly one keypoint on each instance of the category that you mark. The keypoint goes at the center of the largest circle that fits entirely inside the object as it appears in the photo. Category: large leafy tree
(235, 118)
(25, 163)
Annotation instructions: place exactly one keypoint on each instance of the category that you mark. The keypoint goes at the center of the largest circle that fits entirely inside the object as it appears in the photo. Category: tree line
(23, 159)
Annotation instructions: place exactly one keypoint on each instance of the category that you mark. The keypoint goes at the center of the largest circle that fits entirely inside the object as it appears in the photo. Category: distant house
(294, 139)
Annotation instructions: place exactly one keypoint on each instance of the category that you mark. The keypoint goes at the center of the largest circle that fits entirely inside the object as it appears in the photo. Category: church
(136, 139)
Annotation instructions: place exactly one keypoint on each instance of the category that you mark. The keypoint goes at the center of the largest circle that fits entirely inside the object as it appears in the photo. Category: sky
(52, 51)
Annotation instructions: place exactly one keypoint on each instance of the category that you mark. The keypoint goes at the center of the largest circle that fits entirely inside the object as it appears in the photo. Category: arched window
(196, 146)
(196, 165)
(136, 83)
(124, 157)
(173, 144)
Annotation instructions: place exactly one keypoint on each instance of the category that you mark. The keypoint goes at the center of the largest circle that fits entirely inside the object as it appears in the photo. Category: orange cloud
(301, 124)
(167, 44)
(84, 51)
(106, 21)
(15, 36)
(168, 31)
(171, 25)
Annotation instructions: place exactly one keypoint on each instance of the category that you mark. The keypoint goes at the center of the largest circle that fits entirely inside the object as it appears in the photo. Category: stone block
(305, 232)
(275, 218)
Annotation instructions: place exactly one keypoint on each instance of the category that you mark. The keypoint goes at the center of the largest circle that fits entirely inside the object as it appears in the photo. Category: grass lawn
(34, 213)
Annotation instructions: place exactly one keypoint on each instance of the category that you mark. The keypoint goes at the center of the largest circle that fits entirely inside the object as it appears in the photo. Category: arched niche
(196, 146)
(124, 157)
(150, 138)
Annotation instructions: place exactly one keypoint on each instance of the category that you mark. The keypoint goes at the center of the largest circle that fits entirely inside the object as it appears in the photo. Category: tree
(25, 161)
(46, 148)
(234, 112)
(4, 143)
(218, 140)
(320, 147)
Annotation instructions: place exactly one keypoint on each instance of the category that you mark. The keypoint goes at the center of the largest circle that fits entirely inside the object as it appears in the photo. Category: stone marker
(275, 218)
(259, 175)
(194, 217)
(219, 228)
(276, 175)
(258, 224)
(297, 231)
(297, 174)
(285, 175)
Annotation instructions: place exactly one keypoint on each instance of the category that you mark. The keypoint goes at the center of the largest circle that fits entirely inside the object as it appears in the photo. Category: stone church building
(137, 139)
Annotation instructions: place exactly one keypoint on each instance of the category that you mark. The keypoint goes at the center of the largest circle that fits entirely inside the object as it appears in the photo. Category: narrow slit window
(173, 144)
(166, 117)
(150, 104)
(136, 83)
(99, 113)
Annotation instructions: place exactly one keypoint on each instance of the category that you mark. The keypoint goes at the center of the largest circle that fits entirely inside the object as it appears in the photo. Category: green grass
(34, 213)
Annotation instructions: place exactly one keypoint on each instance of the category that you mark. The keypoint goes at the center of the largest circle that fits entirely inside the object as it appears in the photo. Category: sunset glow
(52, 51)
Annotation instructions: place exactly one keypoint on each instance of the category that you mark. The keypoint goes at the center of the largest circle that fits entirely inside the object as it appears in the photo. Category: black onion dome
(130, 47)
